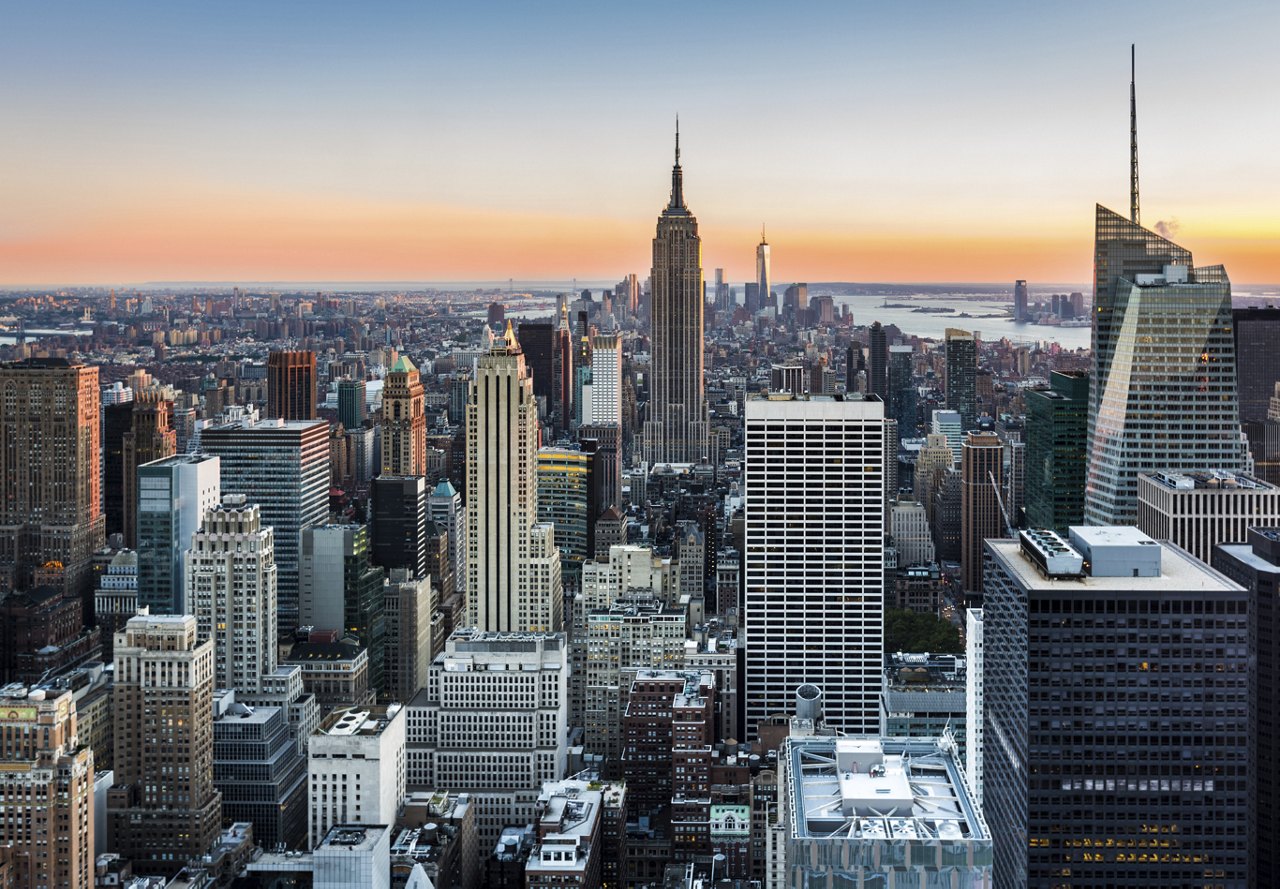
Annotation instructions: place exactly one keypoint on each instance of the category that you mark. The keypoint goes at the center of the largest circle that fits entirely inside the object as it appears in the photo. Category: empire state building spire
(677, 177)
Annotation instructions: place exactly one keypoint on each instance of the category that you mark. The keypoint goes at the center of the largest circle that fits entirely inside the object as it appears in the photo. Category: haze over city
(418, 142)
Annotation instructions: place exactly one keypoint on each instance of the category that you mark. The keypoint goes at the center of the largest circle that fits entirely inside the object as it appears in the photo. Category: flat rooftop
(363, 721)
(1178, 569)
(356, 837)
(1208, 480)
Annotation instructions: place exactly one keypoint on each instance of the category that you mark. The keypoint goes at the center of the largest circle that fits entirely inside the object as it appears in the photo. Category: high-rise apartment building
(342, 590)
(404, 421)
(1163, 395)
(46, 792)
(291, 385)
(356, 768)
(962, 376)
(151, 437)
(49, 471)
(514, 582)
(230, 574)
(606, 381)
(1057, 445)
(1199, 510)
(981, 511)
(878, 362)
(676, 429)
(902, 390)
(174, 494)
(163, 810)
(814, 488)
(283, 466)
(352, 407)
(1115, 704)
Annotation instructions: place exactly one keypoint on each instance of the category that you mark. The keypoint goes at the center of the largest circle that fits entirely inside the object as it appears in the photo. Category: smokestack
(809, 702)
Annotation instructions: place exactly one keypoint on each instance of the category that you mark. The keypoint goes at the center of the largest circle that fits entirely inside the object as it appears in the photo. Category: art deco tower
(676, 431)
(404, 421)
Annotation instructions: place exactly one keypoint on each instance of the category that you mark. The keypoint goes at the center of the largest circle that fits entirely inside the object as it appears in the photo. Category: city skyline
(384, 148)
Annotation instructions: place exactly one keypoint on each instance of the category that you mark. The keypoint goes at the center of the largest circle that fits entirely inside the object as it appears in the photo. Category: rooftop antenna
(677, 140)
(1133, 136)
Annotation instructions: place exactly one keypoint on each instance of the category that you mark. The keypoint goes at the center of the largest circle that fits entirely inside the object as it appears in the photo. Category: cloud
(1168, 228)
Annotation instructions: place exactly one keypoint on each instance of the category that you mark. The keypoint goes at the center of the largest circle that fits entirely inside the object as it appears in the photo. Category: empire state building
(676, 429)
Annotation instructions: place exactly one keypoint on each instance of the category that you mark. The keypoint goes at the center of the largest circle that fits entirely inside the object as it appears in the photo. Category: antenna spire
(677, 178)
(1133, 136)
(677, 140)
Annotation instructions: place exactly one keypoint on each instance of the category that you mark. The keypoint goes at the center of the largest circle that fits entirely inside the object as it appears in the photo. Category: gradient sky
(466, 141)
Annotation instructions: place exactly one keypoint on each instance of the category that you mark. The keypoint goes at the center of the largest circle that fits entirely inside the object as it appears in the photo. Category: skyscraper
(568, 500)
(537, 342)
(117, 420)
(174, 494)
(962, 376)
(151, 436)
(981, 478)
(291, 385)
(606, 382)
(231, 583)
(398, 507)
(878, 363)
(676, 431)
(1164, 385)
(340, 589)
(49, 470)
(1257, 332)
(404, 421)
(814, 486)
(1057, 443)
(1086, 766)
(763, 286)
(902, 390)
(444, 505)
(163, 810)
(351, 403)
(514, 580)
(283, 466)
(1020, 297)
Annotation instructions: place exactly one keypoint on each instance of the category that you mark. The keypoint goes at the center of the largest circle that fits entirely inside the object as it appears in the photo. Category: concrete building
(283, 466)
(46, 792)
(260, 772)
(444, 505)
(1199, 510)
(570, 828)
(877, 812)
(949, 425)
(174, 493)
(814, 486)
(440, 840)
(403, 421)
(973, 698)
(356, 769)
(514, 582)
(151, 436)
(291, 385)
(909, 525)
(493, 723)
(606, 381)
(981, 509)
(163, 810)
(230, 574)
(1117, 701)
(336, 674)
(342, 590)
(413, 620)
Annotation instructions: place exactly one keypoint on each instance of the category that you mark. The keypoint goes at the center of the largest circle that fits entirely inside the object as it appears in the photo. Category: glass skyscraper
(1057, 438)
(1164, 381)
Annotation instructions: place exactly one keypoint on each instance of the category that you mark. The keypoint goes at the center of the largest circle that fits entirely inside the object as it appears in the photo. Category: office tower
(514, 568)
(934, 459)
(910, 528)
(763, 287)
(398, 520)
(49, 471)
(362, 452)
(902, 390)
(537, 342)
(352, 410)
(676, 431)
(404, 421)
(1020, 313)
(855, 364)
(1255, 565)
(291, 385)
(723, 302)
(46, 792)
(950, 425)
(981, 509)
(562, 370)
(259, 772)
(568, 501)
(1199, 510)
(605, 442)
(117, 420)
(1256, 331)
(895, 812)
(814, 491)
(446, 510)
(1164, 383)
(962, 376)
(174, 494)
(493, 723)
(231, 587)
(944, 516)
(1057, 444)
(163, 809)
(795, 303)
(751, 297)
(341, 590)
(973, 698)
(606, 381)
(116, 600)
(440, 573)
(283, 466)
(151, 437)
(878, 363)
(412, 616)
(1089, 768)
(356, 768)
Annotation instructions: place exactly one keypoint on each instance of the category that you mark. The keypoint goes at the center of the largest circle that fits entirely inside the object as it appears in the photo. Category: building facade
(1057, 451)
(1199, 510)
(356, 769)
(404, 421)
(981, 512)
(291, 385)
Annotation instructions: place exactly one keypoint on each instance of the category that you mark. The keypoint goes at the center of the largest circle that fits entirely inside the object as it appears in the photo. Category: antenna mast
(1133, 137)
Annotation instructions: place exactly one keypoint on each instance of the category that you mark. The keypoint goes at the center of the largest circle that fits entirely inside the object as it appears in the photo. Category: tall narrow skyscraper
(763, 269)
(1020, 296)
(174, 494)
(291, 385)
(151, 437)
(1057, 441)
(981, 480)
(514, 583)
(814, 483)
(878, 363)
(962, 376)
(676, 431)
(404, 421)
